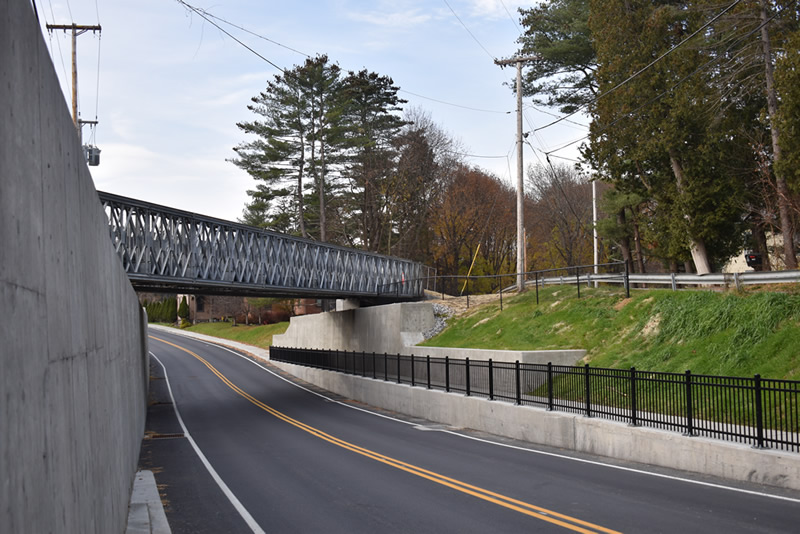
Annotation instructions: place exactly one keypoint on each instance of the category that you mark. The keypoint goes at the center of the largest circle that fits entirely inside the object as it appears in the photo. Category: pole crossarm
(164, 249)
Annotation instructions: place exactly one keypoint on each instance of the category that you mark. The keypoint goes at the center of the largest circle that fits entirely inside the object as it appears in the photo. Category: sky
(167, 88)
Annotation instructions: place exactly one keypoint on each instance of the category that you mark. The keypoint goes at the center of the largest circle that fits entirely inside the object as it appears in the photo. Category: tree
(557, 33)
(299, 115)
(183, 309)
(371, 124)
(561, 216)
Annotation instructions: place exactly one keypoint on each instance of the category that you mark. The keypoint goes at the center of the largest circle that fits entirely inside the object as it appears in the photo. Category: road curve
(300, 462)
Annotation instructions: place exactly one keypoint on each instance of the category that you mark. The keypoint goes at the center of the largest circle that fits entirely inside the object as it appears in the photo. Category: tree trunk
(697, 245)
(637, 243)
(790, 260)
(761, 246)
(323, 234)
(300, 208)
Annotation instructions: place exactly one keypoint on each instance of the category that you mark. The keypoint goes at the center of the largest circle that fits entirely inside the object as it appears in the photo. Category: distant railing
(757, 411)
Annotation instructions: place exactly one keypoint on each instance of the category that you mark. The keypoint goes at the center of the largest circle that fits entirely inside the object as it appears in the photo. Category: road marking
(497, 443)
(568, 522)
(251, 522)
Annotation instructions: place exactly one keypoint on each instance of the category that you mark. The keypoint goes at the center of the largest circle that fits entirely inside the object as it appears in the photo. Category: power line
(512, 18)
(646, 67)
(668, 90)
(469, 32)
(223, 30)
(456, 105)
(247, 31)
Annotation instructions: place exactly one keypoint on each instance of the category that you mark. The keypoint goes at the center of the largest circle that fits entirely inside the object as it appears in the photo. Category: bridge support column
(347, 304)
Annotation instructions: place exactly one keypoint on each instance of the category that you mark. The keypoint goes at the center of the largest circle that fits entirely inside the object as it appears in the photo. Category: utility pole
(76, 31)
(518, 61)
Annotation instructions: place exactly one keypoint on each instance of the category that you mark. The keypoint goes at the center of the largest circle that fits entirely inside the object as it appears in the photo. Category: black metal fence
(757, 411)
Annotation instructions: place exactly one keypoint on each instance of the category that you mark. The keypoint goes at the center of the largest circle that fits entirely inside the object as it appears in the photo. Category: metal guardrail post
(517, 380)
(634, 417)
(536, 283)
(627, 282)
(759, 412)
(578, 281)
(500, 290)
(674, 283)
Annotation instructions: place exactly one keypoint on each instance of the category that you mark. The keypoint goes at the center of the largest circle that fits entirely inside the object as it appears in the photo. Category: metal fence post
(447, 374)
(428, 365)
(550, 386)
(398, 369)
(491, 380)
(363, 364)
(586, 378)
(412, 371)
(385, 367)
(517, 379)
(536, 283)
(466, 374)
(578, 280)
(634, 419)
(759, 413)
(689, 407)
(374, 366)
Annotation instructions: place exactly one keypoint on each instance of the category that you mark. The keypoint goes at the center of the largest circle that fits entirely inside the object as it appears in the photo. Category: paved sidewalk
(146, 513)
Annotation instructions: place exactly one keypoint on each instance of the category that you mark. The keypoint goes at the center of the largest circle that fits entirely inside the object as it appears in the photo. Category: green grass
(707, 332)
(260, 336)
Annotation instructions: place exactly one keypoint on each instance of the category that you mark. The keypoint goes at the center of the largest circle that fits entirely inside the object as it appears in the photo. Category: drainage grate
(164, 436)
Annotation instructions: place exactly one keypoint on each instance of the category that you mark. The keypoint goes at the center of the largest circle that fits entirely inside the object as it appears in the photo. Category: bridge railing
(163, 248)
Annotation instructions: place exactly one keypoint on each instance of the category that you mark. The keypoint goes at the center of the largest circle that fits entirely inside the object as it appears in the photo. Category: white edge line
(534, 451)
(251, 522)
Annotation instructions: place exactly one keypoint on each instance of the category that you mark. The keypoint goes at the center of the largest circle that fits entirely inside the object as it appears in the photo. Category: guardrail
(758, 411)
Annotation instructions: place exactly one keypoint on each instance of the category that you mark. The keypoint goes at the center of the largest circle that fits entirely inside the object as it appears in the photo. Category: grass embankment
(260, 336)
(730, 334)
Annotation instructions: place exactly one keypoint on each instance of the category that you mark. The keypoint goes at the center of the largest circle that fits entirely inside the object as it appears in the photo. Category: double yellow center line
(537, 512)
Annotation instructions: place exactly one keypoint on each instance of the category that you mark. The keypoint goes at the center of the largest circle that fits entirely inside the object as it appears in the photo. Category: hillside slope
(707, 332)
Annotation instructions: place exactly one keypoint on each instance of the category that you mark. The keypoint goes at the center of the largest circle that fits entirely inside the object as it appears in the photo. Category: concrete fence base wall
(73, 344)
(570, 431)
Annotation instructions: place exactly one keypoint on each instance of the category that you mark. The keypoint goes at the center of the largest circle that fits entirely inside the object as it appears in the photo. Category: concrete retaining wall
(73, 352)
(396, 329)
(570, 431)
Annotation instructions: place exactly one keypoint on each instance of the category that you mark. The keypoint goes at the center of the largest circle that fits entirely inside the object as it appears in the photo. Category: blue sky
(172, 87)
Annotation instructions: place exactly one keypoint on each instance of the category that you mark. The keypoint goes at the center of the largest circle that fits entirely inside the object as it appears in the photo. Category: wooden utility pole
(518, 61)
(76, 31)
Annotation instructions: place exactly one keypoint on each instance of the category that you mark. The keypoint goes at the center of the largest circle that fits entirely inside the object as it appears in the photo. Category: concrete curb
(146, 512)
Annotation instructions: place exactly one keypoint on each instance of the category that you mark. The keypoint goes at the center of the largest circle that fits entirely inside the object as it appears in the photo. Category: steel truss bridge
(167, 250)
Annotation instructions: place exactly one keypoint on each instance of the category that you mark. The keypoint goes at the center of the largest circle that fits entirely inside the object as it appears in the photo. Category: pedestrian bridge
(169, 250)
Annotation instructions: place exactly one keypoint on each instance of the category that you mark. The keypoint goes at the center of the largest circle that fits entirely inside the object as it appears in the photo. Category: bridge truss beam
(167, 250)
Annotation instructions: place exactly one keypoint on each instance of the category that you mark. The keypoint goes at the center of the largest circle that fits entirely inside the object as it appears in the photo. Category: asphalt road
(295, 461)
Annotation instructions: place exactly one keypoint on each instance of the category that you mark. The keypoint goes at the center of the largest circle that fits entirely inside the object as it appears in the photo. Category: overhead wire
(468, 31)
(203, 12)
(646, 67)
(666, 91)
